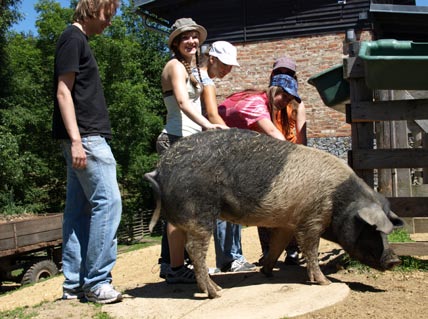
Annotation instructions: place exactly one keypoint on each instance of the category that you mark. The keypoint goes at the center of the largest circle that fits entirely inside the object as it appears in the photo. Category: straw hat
(184, 25)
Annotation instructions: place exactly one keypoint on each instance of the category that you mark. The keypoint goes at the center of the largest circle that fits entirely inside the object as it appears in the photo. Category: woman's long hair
(283, 114)
(271, 92)
(282, 123)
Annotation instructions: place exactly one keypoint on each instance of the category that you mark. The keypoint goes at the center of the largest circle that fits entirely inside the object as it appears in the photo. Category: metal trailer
(30, 249)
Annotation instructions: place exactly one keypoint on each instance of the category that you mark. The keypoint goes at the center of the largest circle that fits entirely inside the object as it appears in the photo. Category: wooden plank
(41, 224)
(17, 234)
(385, 178)
(383, 158)
(362, 133)
(7, 243)
(420, 225)
(39, 237)
(353, 67)
(368, 111)
(425, 168)
(402, 180)
(362, 138)
(409, 206)
(410, 249)
(6, 231)
(30, 248)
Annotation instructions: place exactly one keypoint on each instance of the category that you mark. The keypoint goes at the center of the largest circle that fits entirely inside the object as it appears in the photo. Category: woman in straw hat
(181, 94)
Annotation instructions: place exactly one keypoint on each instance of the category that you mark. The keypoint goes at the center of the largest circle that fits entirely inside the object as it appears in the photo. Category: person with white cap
(181, 94)
(297, 134)
(218, 61)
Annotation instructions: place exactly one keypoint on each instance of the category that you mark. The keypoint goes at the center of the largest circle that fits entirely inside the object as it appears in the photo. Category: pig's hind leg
(197, 247)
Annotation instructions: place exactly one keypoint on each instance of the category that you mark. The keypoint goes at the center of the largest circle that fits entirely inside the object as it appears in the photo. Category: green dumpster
(395, 65)
(332, 87)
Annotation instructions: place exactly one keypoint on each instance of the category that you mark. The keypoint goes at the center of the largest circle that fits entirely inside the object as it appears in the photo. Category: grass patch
(18, 313)
(399, 236)
(146, 242)
(102, 315)
(409, 263)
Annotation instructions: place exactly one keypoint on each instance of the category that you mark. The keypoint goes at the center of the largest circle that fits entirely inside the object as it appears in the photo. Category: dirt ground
(372, 294)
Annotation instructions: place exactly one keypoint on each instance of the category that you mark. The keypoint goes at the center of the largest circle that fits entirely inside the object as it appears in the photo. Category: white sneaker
(71, 294)
(212, 271)
(104, 294)
(239, 265)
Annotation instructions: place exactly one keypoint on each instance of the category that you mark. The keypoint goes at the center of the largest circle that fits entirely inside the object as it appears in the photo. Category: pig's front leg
(310, 251)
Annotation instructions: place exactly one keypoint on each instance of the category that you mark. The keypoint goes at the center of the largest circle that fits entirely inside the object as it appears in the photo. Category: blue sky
(30, 15)
(29, 22)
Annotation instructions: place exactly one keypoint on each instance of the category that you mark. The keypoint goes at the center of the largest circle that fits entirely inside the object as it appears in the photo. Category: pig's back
(241, 171)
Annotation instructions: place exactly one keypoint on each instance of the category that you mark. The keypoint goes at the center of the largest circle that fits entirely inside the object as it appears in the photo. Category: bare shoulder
(173, 68)
(173, 71)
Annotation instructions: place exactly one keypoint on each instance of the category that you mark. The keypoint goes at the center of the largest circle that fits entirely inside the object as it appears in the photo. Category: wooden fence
(379, 144)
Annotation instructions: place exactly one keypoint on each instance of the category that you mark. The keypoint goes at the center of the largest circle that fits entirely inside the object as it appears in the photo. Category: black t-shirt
(73, 54)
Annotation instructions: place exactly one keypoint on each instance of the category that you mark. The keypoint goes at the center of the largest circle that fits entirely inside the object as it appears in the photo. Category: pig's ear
(375, 216)
(396, 221)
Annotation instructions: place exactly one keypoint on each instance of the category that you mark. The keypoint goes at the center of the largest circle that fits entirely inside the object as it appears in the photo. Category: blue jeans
(227, 243)
(91, 218)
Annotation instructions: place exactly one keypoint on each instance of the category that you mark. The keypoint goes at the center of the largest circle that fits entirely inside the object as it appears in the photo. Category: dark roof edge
(396, 8)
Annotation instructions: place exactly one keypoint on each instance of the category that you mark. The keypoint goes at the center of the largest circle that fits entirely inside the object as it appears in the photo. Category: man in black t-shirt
(80, 121)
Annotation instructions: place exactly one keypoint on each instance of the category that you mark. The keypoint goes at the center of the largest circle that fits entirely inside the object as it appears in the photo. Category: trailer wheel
(42, 269)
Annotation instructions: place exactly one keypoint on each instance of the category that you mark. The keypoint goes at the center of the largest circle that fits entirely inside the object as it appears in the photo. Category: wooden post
(362, 133)
(425, 145)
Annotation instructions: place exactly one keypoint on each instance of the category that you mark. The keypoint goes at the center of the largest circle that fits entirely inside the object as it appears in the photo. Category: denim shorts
(165, 141)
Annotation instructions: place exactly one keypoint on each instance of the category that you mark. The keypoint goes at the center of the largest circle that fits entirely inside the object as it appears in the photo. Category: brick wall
(313, 54)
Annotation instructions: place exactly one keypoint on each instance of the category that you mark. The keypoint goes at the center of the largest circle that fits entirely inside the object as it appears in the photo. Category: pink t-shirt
(244, 110)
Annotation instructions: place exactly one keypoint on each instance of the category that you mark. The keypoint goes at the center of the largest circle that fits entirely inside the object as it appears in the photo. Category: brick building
(311, 32)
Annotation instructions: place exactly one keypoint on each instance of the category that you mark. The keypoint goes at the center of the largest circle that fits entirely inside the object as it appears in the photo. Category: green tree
(9, 14)
(23, 119)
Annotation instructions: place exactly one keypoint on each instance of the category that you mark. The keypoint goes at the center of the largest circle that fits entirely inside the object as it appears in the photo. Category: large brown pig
(252, 179)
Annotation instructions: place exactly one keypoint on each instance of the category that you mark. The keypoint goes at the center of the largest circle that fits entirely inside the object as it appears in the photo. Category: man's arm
(68, 114)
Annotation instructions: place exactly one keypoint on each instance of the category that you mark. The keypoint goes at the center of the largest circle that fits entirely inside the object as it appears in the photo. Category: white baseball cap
(225, 52)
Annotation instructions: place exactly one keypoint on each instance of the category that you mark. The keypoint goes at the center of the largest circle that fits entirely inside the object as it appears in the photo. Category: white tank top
(177, 123)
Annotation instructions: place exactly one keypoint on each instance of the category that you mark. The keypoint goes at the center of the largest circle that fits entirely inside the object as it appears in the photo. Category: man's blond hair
(89, 9)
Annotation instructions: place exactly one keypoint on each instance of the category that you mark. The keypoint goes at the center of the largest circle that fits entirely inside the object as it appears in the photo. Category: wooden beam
(366, 111)
(409, 206)
(389, 158)
(410, 249)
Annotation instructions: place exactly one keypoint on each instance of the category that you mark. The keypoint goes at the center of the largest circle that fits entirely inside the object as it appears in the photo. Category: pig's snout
(389, 260)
